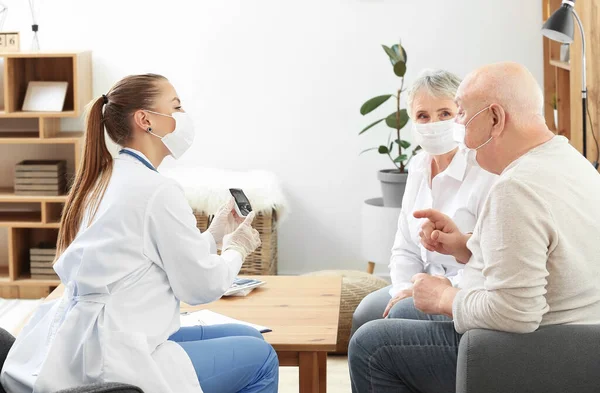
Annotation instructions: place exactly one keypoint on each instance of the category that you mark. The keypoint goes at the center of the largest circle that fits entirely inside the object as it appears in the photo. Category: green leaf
(400, 55)
(383, 150)
(391, 146)
(391, 54)
(417, 149)
(401, 158)
(366, 150)
(400, 68)
(400, 52)
(371, 125)
(373, 104)
(391, 120)
(402, 143)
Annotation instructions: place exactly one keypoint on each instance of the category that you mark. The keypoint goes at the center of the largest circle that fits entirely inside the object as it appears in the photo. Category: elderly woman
(440, 178)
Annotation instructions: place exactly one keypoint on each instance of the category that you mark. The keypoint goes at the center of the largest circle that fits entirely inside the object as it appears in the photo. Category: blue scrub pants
(230, 358)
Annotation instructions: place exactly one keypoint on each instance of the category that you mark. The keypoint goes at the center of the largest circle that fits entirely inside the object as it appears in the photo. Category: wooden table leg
(309, 372)
(322, 372)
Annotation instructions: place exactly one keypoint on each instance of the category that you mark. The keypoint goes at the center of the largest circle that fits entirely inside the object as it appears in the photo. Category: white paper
(209, 318)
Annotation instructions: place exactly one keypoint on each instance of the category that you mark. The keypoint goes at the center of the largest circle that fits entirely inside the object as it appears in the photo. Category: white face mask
(435, 138)
(460, 131)
(182, 138)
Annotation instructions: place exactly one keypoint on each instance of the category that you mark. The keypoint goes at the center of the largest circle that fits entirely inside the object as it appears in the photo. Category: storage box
(41, 178)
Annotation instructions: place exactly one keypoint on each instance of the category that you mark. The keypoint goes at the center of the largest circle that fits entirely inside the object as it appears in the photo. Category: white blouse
(458, 192)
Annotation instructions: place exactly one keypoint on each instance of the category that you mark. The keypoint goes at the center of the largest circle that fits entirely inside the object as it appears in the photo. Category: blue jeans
(417, 354)
(230, 358)
(374, 304)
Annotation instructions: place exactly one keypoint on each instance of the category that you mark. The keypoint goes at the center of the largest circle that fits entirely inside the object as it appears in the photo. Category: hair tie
(105, 98)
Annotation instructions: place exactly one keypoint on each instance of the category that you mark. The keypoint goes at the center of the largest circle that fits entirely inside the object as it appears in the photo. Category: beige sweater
(536, 246)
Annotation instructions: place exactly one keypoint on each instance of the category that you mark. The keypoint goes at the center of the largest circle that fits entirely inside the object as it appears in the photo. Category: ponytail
(124, 98)
(91, 179)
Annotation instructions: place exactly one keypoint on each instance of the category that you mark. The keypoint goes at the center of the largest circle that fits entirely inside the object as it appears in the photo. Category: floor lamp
(559, 27)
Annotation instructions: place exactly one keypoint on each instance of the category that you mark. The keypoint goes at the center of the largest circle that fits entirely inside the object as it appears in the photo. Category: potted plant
(393, 181)
(555, 107)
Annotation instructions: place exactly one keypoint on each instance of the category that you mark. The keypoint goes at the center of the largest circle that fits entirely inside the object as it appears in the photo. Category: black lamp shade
(559, 27)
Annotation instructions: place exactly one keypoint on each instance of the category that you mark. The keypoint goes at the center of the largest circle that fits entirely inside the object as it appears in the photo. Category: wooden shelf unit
(33, 138)
(30, 220)
(563, 79)
(561, 64)
(34, 115)
(556, 80)
(8, 195)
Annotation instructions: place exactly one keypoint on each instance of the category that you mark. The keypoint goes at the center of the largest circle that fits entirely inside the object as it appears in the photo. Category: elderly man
(533, 259)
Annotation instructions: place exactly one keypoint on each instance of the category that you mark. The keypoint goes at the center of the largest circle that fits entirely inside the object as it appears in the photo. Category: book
(210, 318)
(39, 193)
(54, 166)
(40, 187)
(40, 175)
(41, 259)
(42, 270)
(243, 286)
(44, 276)
(42, 250)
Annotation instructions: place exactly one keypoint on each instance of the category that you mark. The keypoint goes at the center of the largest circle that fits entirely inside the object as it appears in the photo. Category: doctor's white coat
(124, 276)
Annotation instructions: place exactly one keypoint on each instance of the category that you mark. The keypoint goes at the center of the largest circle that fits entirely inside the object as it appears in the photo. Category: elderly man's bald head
(509, 85)
(500, 106)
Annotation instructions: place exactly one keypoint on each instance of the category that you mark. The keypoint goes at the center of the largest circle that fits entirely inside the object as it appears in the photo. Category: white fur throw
(206, 189)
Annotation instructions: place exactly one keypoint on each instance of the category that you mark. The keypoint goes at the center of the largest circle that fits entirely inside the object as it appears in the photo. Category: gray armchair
(556, 359)
(7, 340)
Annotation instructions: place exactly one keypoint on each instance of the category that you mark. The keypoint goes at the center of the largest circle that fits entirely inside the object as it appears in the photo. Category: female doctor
(128, 253)
(440, 178)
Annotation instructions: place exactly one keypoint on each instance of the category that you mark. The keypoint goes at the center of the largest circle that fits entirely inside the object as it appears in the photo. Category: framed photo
(45, 96)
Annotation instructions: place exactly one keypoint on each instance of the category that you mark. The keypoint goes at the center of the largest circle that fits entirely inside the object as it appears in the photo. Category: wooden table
(303, 313)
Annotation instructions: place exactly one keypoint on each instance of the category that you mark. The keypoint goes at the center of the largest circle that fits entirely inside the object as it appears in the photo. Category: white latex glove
(224, 222)
(244, 239)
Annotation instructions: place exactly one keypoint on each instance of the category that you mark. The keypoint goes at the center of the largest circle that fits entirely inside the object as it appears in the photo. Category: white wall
(277, 84)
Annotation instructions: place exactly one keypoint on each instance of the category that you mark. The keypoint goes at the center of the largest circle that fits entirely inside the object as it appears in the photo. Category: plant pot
(556, 119)
(393, 184)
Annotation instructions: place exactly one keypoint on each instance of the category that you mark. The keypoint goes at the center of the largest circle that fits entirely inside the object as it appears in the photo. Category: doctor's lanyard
(137, 157)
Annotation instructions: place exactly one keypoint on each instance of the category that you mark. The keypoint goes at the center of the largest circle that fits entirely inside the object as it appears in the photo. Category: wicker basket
(263, 261)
